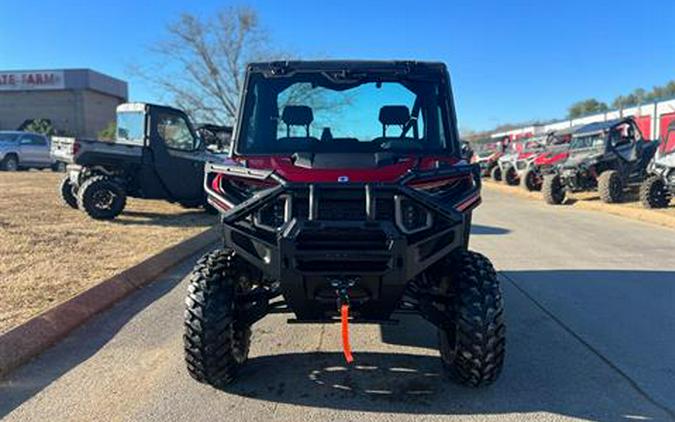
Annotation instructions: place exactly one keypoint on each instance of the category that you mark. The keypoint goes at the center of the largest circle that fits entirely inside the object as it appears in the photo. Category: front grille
(342, 210)
(337, 239)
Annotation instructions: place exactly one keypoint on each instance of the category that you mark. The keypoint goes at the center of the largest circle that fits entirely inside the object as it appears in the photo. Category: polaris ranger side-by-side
(349, 213)
(607, 156)
(157, 154)
(659, 187)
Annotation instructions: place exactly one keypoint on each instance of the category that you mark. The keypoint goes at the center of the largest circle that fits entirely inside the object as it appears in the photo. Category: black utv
(350, 214)
(659, 187)
(603, 156)
(157, 154)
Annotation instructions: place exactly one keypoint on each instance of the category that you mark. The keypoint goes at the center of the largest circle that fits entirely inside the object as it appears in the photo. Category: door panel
(173, 144)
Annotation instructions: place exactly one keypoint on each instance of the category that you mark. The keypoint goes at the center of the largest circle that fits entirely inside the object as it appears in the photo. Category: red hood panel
(285, 168)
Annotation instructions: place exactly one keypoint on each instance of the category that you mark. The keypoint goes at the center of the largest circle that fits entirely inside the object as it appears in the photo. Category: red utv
(487, 156)
(544, 162)
(351, 204)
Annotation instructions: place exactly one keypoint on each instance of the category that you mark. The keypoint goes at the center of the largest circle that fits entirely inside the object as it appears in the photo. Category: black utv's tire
(9, 163)
(216, 344)
(654, 193)
(101, 198)
(530, 181)
(511, 177)
(496, 174)
(610, 187)
(552, 189)
(472, 347)
(68, 194)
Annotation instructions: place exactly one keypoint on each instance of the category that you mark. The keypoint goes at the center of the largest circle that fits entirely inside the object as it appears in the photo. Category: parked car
(157, 154)
(26, 150)
(357, 224)
(544, 162)
(659, 187)
(607, 156)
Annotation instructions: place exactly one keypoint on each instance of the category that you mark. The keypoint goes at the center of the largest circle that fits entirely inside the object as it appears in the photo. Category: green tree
(109, 133)
(42, 126)
(584, 107)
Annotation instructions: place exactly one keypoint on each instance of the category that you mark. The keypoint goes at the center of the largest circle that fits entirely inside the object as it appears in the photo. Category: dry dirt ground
(50, 252)
(630, 208)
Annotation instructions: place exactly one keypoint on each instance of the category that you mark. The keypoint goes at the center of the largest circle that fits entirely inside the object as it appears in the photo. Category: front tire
(552, 189)
(496, 174)
(610, 187)
(472, 347)
(68, 193)
(531, 181)
(654, 193)
(216, 344)
(101, 198)
(511, 177)
(9, 163)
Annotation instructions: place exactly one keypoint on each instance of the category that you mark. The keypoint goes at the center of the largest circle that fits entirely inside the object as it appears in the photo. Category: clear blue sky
(510, 61)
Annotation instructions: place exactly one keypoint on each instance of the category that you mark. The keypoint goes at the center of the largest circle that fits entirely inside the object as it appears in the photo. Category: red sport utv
(555, 152)
(351, 203)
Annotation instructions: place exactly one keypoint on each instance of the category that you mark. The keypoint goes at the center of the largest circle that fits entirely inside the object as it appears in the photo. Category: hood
(551, 158)
(306, 169)
(579, 156)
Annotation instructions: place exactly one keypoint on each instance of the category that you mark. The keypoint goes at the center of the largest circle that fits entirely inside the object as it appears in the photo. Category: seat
(297, 115)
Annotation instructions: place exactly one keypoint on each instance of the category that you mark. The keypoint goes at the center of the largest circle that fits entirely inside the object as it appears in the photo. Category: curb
(34, 336)
(640, 214)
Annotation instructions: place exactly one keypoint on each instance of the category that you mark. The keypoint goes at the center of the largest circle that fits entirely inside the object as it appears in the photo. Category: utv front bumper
(379, 235)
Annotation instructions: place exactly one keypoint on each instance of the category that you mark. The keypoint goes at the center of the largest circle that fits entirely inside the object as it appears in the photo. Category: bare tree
(201, 66)
(202, 62)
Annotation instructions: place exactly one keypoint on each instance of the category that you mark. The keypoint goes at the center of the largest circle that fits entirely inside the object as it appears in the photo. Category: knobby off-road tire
(216, 344)
(472, 347)
(9, 163)
(511, 177)
(101, 198)
(654, 193)
(530, 181)
(68, 195)
(552, 189)
(496, 174)
(610, 187)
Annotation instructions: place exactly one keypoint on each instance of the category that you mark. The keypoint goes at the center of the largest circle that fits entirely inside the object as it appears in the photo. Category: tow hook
(341, 286)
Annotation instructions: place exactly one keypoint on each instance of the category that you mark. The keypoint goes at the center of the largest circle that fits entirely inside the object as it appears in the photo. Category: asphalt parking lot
(590, 336)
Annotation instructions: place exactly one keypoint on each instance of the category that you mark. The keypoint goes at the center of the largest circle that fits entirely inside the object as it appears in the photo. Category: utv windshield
(317, 113)
(596, 140)
(667, 145)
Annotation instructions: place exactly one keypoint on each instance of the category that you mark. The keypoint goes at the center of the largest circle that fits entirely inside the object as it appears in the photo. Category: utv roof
(596, 127)
(568, 131)
(406, 66)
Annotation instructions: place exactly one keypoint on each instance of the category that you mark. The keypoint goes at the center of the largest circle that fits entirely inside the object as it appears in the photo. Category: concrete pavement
(590, 336)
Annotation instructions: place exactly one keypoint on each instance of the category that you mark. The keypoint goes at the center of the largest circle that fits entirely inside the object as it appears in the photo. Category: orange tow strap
(346, 348)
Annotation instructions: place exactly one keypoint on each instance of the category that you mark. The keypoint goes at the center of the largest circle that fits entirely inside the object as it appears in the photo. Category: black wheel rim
(103, 199)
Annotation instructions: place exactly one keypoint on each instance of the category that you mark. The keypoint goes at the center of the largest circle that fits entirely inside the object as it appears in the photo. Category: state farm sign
(31, 81)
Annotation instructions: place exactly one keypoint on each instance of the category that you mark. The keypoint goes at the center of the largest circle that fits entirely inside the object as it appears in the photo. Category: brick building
(78, 102)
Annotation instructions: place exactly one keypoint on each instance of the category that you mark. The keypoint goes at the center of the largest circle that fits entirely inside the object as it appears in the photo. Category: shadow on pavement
(479, 229)
(548, 370)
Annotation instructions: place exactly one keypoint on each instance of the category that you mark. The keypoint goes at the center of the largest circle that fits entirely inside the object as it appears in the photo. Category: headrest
(297, 115)
(394, 115)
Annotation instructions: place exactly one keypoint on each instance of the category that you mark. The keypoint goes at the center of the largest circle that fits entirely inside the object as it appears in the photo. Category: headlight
(411, 217)
(273, 215)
